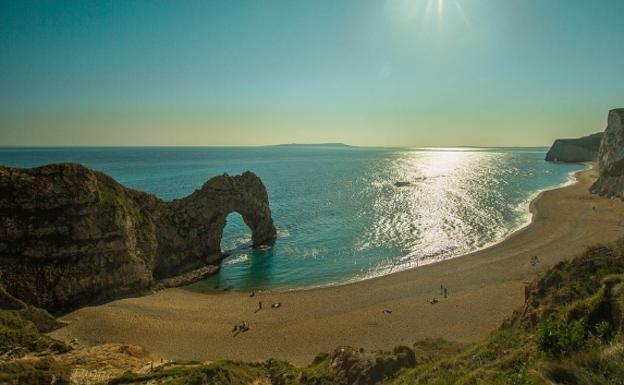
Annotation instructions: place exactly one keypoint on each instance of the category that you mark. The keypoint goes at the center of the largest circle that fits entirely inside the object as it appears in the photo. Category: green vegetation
(26, 355)
(36, 371)
(19, 338)
(218, 373)
(570, 331)
(561, 338)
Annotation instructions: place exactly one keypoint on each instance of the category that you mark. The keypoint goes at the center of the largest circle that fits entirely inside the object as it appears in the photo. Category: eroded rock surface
(611, 158)
(71, 236)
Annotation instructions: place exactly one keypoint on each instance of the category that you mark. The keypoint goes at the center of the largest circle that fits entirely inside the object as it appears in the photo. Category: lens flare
(408, 11)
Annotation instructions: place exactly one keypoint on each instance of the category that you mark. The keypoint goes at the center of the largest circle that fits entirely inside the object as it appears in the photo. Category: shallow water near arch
(339, 211)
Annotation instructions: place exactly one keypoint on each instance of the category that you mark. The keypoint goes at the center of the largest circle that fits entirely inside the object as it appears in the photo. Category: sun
(423, 11)
(440, 6)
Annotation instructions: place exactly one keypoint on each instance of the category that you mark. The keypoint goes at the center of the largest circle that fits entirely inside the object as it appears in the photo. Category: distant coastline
(338, 145)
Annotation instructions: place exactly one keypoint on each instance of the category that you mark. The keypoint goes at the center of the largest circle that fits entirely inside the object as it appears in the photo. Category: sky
(257, 72)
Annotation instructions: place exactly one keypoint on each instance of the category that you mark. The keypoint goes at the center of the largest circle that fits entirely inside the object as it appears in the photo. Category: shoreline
(530, 202)
(572, 180)
(485, 286)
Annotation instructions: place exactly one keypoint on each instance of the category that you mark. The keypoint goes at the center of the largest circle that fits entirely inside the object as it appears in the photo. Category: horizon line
(341, 145)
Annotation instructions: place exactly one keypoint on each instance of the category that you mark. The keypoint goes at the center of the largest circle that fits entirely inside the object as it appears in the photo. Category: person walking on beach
(441, 289)
(259, 305)
(445, 292)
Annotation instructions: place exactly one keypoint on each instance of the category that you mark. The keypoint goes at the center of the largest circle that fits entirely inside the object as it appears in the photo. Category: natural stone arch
(191, 229)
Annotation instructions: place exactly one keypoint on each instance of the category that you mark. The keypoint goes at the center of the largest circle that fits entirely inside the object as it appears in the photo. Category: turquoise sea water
(338, 213)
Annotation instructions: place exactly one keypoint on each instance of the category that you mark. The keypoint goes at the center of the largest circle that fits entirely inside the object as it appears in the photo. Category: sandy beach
(484, 288)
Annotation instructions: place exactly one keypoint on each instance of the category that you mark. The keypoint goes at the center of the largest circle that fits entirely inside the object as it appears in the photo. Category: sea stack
(71, 236)
(611, 158)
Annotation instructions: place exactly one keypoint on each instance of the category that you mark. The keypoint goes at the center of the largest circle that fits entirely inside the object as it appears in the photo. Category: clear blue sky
(384, 72)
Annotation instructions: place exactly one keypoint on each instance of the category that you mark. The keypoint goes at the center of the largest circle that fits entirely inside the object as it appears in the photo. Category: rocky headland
(611, 158)
(71, 236)
(575, 150)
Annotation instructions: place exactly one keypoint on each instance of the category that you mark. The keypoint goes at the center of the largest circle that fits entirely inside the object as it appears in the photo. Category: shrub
(560, 338)
(603, 331)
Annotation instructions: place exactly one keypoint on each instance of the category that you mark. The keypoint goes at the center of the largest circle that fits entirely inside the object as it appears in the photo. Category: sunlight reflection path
(436, 213)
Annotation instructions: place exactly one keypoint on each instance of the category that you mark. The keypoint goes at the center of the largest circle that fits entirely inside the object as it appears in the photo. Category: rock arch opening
(236, 234)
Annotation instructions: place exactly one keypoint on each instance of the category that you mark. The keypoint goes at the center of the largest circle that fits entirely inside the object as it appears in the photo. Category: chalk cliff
(71, 236)
(583, 149)
(611, 158)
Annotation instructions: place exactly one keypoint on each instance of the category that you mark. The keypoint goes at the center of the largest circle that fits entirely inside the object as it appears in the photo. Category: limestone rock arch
(191, 228)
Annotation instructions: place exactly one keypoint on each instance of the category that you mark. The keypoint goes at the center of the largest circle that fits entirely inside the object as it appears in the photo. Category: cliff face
(583, 149)
(71, 236)
(611, 158)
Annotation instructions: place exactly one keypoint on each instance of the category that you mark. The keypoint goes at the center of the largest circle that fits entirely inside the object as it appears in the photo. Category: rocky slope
(71, 236)
(611, 158)
(583, 149)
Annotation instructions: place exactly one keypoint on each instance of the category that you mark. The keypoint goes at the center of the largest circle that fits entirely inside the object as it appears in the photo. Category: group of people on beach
(243, 327)
(443, 293)
(534, 261)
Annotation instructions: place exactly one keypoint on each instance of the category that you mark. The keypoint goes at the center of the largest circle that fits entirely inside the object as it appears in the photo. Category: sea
(339, 213)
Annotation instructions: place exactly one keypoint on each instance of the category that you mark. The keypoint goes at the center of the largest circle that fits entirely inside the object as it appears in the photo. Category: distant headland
(583, 149)
(604, 148)
(339, 145)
